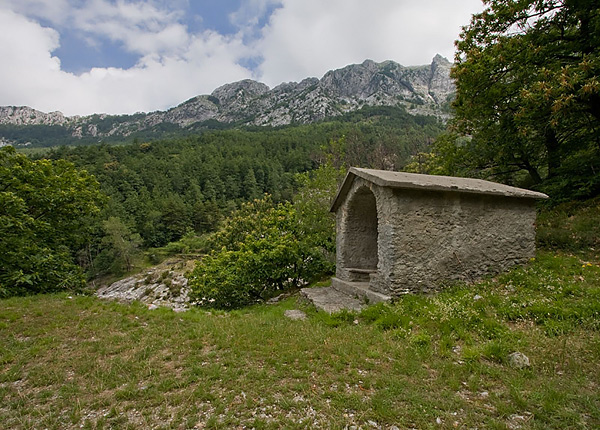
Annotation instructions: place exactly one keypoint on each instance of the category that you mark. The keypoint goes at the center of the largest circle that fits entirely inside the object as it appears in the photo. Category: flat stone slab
(385, 178)
(359, 290)
(405, 180)
(331, 300)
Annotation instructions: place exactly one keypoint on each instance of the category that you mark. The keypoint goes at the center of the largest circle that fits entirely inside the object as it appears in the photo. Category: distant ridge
(421, 90)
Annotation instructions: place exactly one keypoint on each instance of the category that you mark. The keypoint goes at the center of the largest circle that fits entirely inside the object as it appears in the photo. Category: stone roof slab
(415, 181)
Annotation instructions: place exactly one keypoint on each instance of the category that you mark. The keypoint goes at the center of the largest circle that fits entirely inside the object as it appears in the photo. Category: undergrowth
(572, 226)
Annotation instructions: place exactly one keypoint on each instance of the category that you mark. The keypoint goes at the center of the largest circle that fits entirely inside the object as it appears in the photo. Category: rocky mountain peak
(238, 92)
(438, 59)
(23, 115)
(389, 82)
(440, 84)
(419, 89)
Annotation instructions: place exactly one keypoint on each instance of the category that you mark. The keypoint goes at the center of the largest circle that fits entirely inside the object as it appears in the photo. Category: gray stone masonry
(403, 232)
(331, 300)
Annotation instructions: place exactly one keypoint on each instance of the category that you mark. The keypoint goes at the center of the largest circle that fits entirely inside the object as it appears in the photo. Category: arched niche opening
(359, 253)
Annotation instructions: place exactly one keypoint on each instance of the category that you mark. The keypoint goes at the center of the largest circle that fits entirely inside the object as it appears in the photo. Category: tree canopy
(162, 190)
(164, 194)
(45, 210)
(528, 91)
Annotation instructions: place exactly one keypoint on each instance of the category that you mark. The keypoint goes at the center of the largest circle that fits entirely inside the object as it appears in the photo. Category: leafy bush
(259, 251)
(577, 177)
(316, 191)
(190, 243)
(265, 248)
(45, 209)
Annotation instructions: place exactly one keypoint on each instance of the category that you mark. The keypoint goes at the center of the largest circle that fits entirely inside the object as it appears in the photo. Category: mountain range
(420, 90)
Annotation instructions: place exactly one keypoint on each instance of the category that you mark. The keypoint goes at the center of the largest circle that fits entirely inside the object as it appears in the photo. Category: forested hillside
(526, 113)
(159, 191)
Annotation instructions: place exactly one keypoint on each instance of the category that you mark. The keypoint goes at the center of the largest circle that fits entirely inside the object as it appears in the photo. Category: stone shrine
(404, 232)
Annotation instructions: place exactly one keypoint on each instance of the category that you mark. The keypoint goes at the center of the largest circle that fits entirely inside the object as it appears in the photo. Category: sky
(125, 56)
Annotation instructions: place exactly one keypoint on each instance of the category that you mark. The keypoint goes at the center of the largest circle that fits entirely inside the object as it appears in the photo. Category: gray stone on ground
(163, 285)
(295, 314)
(330, 300)
(280, 297)
(518, 360)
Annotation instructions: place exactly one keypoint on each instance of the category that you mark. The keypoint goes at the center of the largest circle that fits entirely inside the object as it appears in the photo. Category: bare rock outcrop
(160, 286)
(23, 115)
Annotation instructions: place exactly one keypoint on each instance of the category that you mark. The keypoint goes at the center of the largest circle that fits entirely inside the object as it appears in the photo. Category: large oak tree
(528, 88)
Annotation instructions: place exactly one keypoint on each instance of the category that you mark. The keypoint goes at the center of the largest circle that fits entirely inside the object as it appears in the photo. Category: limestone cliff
(23, 115)
(419, 89)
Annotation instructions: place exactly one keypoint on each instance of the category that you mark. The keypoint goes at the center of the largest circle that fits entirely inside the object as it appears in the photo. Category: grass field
(425, 362)
(439, 362)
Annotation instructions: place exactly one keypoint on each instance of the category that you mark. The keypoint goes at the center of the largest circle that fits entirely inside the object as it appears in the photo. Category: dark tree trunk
(533, 172)
(595, 106)
(553, 150)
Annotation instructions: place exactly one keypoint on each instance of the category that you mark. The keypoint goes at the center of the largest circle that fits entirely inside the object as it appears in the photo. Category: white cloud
(250, 12)
(54, 11)
(25, 48)
(142, 27)
(35, 79)
(303, 38)
(309, 37)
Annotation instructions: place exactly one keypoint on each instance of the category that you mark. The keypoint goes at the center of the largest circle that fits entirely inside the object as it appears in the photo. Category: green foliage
(121, 247)
(259, 251)
(420, 341)
(528, 93)
(317, 190)
(577, 177)
(336, 319)
(190, 243)
(45, 213)
(163, 190)
(265, 248)
(448, 156)
(387, 140)
(36, 135)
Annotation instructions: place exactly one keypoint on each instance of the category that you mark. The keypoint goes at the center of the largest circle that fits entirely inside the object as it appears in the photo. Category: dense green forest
(47, 212)
(48, 136)
(161, 190)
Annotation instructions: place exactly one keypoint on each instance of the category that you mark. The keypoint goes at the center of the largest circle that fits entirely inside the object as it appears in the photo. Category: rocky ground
(163, 285)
